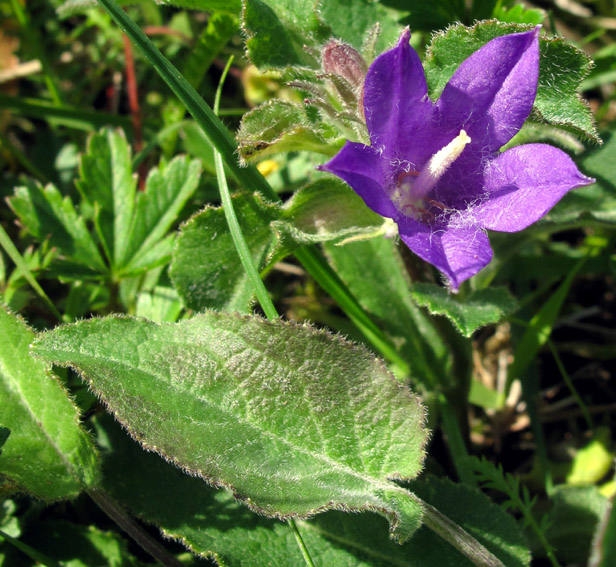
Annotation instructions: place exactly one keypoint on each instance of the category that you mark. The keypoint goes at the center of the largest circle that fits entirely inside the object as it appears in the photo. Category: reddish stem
(165, 30)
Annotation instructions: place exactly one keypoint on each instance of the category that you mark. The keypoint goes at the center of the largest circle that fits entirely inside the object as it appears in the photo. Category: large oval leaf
(47, 454)
(292, 419)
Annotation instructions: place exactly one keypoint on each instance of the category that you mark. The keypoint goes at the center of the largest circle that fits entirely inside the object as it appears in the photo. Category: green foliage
(314, 408)
(5, 432)
(71, 7)
(603, 550)
(434, 15)
(77, 546)
(595, 203)
(279, 126)
(280, 31)
(326, 210)
(206, 270)
(46, 214)
(538, 331)
(211, 522)
(47, 455)
(480, 308)
(292, 419)
(573, 519)
(131, 228)
(362, 266)
(276, 32)
(561, 70)
(518, 498)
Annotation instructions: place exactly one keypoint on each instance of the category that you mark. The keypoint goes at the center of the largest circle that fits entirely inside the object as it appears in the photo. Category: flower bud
(343, 60)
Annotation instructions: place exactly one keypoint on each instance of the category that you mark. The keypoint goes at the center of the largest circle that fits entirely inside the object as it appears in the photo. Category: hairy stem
(459, 538)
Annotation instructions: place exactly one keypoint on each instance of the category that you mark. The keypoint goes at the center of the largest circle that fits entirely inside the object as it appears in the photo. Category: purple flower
(435, 167)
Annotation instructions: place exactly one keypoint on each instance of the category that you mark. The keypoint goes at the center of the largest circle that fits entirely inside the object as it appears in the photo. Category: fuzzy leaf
(47, 455)
(278, 30)
(293, 420)
(603, 549)
(212, 523)
(322, 211)
(481, 308)
(206, 270)
(561, 70)
(376, 265)
(45, 214)
(279, 126)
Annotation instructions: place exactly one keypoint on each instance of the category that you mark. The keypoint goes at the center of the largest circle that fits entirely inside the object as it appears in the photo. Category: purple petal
(492, 92)
(458, 253)
(362, 168)
(396, 97)
(523, 184)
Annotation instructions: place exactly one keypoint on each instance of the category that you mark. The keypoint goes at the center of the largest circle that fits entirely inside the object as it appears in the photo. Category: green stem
(300, 543)
(455, 441)
(569, 382)
(250, 178)
(249, 267)
(234, 226)
(529, 518)
(30, 551)
(20, 263)
(62, 114)
(132, 528)
(460, 539)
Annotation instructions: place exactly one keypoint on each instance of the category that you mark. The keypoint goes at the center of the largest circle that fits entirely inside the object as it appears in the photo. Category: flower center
(414, 186)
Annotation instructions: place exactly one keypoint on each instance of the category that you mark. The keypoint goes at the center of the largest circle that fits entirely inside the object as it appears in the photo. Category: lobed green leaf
(157, 208)
(482, 307)
(47, 215)
(107, 184)
(293, 420)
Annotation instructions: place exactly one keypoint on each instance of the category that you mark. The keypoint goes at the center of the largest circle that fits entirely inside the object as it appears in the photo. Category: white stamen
(439, 163)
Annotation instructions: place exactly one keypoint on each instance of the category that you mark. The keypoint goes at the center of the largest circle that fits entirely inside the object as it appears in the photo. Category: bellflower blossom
(435, 167)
